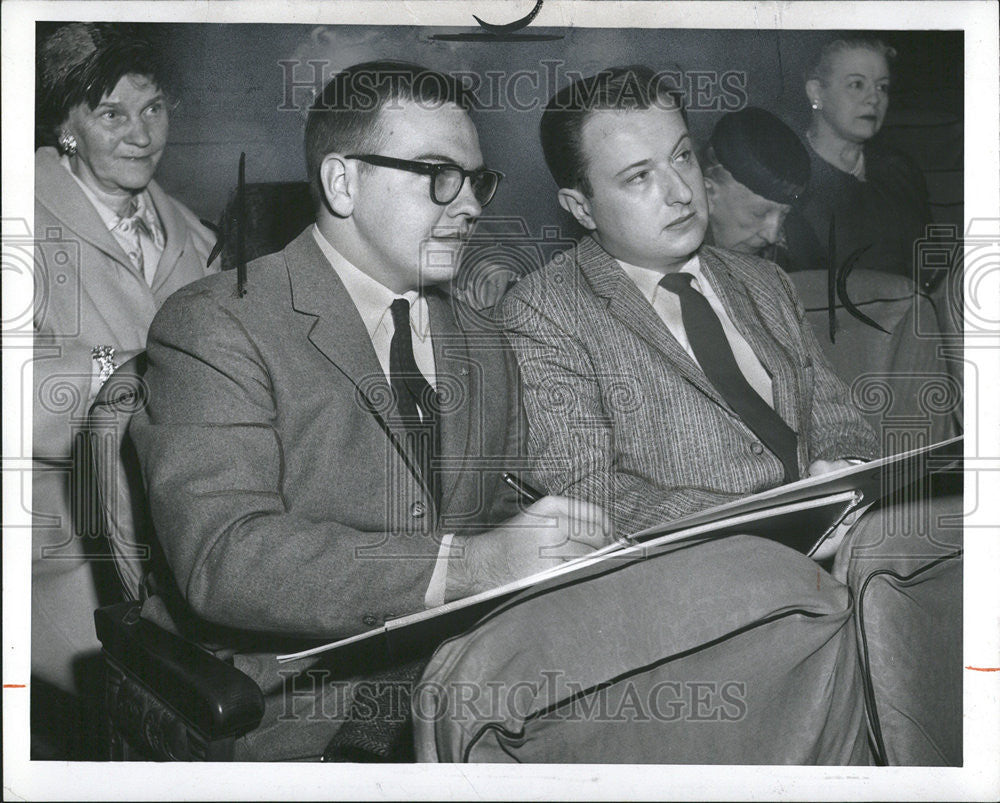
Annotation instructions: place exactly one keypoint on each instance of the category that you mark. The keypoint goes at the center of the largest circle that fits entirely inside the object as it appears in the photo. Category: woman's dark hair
(81, 62)
(628, 88)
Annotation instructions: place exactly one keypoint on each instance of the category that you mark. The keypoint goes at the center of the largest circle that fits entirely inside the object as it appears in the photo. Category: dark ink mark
(510, 27)
(501, 33)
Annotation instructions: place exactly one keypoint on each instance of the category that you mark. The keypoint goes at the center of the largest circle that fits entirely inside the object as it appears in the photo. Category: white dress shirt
(373, 301)
(668, 307)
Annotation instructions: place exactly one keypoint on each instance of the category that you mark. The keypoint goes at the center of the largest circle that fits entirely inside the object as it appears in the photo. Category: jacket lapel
(338, 331)
(59, 193)
(174, 233)
(628, 305)
(457, 388)
(111, 288)
(339, 334)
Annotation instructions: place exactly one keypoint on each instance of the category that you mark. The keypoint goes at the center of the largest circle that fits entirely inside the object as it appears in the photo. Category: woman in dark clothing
(864, 200)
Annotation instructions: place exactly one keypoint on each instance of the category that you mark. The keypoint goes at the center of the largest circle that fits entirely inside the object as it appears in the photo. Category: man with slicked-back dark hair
(663, 377)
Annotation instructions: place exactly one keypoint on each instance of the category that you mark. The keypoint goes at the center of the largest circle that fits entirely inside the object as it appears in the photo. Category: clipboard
(800, 515)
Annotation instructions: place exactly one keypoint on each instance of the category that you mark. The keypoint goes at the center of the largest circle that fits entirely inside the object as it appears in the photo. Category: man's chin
(686, 242)
(441, 256)
(431, 277)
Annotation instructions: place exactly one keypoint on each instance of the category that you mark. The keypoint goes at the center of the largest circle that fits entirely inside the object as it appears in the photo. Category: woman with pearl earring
(864, 199)
(111, 246)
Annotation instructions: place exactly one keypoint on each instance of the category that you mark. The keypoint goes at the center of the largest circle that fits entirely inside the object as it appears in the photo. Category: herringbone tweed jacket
(618, 412)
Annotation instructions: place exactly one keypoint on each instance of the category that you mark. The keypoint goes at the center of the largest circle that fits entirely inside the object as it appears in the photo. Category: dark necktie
(715, 356)
(416, 400)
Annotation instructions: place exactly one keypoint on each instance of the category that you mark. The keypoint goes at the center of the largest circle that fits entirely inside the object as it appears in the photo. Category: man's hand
(552, 530)
(830, 546)
(818, 467)
(833, 541)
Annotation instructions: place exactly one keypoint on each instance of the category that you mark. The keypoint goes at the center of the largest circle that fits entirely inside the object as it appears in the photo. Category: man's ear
(712, 190)
(578, 205)
(338, 181)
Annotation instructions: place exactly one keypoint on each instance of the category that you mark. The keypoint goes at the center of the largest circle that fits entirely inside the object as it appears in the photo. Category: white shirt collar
(648, 279)
(373, 298)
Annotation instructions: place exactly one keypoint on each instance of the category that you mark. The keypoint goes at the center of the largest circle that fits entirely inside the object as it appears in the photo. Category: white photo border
(978, 779)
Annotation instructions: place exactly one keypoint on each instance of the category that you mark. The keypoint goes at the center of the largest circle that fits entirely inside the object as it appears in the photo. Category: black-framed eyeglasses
(446, 179)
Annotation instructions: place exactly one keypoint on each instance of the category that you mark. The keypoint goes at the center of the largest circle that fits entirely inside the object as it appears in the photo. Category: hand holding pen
(547, 532)
(528, 493)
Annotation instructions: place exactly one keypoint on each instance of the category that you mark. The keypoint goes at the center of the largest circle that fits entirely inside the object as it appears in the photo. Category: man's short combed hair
(626, 88)
(344, 118)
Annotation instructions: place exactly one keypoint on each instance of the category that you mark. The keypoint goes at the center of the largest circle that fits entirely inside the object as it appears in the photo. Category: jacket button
(757, 448)
(417, 510)
(369, 620)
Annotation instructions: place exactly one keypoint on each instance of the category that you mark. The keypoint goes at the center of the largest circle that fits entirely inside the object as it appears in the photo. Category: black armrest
(215, 698)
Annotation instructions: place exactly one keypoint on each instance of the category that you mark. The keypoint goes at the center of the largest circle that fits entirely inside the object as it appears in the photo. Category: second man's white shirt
(668, 308)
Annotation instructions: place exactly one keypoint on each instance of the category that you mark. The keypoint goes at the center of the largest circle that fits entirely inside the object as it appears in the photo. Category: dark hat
(762, 153)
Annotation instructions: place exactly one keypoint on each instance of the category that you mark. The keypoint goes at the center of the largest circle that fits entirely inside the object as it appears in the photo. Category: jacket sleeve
(571, 431)
(506, 503)
(213, 461)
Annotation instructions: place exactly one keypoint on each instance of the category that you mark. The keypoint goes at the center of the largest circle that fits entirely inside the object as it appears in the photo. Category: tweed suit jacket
(620, 414)
(279, 480)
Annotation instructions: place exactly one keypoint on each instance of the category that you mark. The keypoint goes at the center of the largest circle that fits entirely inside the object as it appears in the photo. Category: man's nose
(465, 202)
(675, 189)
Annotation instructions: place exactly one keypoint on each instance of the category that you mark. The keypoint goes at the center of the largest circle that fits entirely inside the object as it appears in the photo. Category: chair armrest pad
(213, 697)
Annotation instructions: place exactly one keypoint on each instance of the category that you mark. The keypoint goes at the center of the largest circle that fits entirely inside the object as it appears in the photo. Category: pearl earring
(816, 105)
(67, 144)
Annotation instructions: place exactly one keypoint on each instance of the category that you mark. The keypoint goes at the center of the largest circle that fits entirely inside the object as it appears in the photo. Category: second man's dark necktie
(715, 356)
(416, 400)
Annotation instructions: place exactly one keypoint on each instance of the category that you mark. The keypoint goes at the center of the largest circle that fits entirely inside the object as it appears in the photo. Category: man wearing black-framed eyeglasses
(446, 179)
(349, 420)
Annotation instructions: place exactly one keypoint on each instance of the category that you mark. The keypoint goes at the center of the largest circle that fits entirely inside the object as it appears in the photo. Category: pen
(525, 491)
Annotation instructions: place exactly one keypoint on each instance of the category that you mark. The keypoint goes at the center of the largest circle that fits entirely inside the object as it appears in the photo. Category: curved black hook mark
(516, 25)
(845, 271)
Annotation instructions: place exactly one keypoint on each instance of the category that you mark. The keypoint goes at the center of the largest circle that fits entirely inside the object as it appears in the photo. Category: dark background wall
(237, 95)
